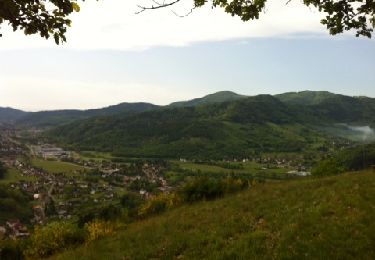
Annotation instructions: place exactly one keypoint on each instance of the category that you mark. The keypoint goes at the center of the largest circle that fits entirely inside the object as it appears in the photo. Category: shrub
(10, 250)
(131, 201)
(3, 170)
(201, 189)
(208, 188)
(108, 212)
(159, 204)
(97, 229)
(53, 237)
(328, 167)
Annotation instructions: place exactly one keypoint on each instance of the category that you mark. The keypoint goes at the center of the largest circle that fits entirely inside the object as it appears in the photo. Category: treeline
(14, 204)
(3, 170)
(354, 159)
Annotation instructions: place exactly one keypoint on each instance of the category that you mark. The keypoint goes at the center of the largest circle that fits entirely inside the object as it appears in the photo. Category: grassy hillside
(324, 218)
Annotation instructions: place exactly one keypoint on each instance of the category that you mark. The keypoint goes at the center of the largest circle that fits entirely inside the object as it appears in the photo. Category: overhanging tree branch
(157, 6)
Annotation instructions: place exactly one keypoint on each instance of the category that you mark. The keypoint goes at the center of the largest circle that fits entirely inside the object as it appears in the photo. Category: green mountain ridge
(227, 129)
(10, 115)
(218, 97)
(59, 117)
(306, 97)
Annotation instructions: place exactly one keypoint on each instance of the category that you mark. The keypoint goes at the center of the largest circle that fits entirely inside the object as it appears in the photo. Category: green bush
(353, 159)
(205, 188)
(131, 201)
(11, 250)
(159, 204)
(108, 212)
(3, 170)
(55, 236)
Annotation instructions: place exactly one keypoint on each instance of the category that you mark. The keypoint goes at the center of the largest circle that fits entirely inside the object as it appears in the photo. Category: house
(17, 229)
(3, 232)
(299, 173)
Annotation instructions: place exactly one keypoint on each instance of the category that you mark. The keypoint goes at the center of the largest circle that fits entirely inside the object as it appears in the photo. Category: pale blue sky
(165, 60)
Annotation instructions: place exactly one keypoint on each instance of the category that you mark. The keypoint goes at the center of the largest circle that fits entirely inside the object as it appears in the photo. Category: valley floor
(314, 218)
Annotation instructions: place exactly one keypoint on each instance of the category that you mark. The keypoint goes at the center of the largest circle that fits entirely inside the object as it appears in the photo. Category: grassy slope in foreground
(327, 218)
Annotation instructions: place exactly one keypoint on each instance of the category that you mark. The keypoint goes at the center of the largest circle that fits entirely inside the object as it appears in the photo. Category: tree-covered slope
(221, 96)
(10, 115)
(321, 218)
(58, 117)
(336, 107)
(305, 97)
(217, 130)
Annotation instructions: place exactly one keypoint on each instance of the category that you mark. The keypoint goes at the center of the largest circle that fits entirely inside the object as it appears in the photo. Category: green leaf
(76, 7)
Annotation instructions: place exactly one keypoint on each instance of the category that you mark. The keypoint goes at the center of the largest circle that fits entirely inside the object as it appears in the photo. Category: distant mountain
(10, 115)
(220, 129)
(58, 117)
(222, 96)
(306, 97)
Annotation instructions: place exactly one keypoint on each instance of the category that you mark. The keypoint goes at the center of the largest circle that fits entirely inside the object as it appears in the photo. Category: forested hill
(337, 107)
(221, 96)
(236, 128)
(223, 124)
(58, 117)
(10, 115)
(306, 97)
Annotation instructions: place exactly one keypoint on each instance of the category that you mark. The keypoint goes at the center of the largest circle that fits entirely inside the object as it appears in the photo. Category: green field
(95, 156)
(56, 166)
(244, 169)
(321, 218)
(14, 175)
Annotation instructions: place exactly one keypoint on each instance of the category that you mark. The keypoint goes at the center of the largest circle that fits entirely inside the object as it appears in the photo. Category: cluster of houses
(68, 194)
(50, 152)
(13, 229)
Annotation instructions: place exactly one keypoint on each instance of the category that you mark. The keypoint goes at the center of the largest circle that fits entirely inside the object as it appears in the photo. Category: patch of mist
(362, 133)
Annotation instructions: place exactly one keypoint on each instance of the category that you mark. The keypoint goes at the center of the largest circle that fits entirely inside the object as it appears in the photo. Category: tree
(341, 15)
(50, 17)
(46, 17)
(2, 171)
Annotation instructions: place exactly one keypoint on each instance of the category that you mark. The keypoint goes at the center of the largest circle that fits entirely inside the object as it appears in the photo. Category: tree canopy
(2, 170)
(44, 17)
(50, 17)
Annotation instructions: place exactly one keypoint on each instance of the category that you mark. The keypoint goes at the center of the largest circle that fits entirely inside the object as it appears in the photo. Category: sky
(114, 55)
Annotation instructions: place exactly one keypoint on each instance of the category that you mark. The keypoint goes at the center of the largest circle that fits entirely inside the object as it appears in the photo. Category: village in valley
(63, 194)
(61, 184)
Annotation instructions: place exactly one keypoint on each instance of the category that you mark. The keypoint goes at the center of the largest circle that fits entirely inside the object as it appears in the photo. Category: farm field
(235, 168)
(56, 166)
(14, 175)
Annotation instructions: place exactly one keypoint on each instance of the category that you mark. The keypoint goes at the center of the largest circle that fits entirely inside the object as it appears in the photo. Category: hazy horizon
(160, 58)
(182, 100)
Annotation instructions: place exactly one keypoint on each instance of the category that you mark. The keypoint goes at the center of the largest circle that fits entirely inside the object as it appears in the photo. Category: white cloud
(113, 24)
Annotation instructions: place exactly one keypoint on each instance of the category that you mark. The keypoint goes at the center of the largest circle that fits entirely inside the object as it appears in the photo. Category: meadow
(315, 218)
(56, 166)
(14, 175)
